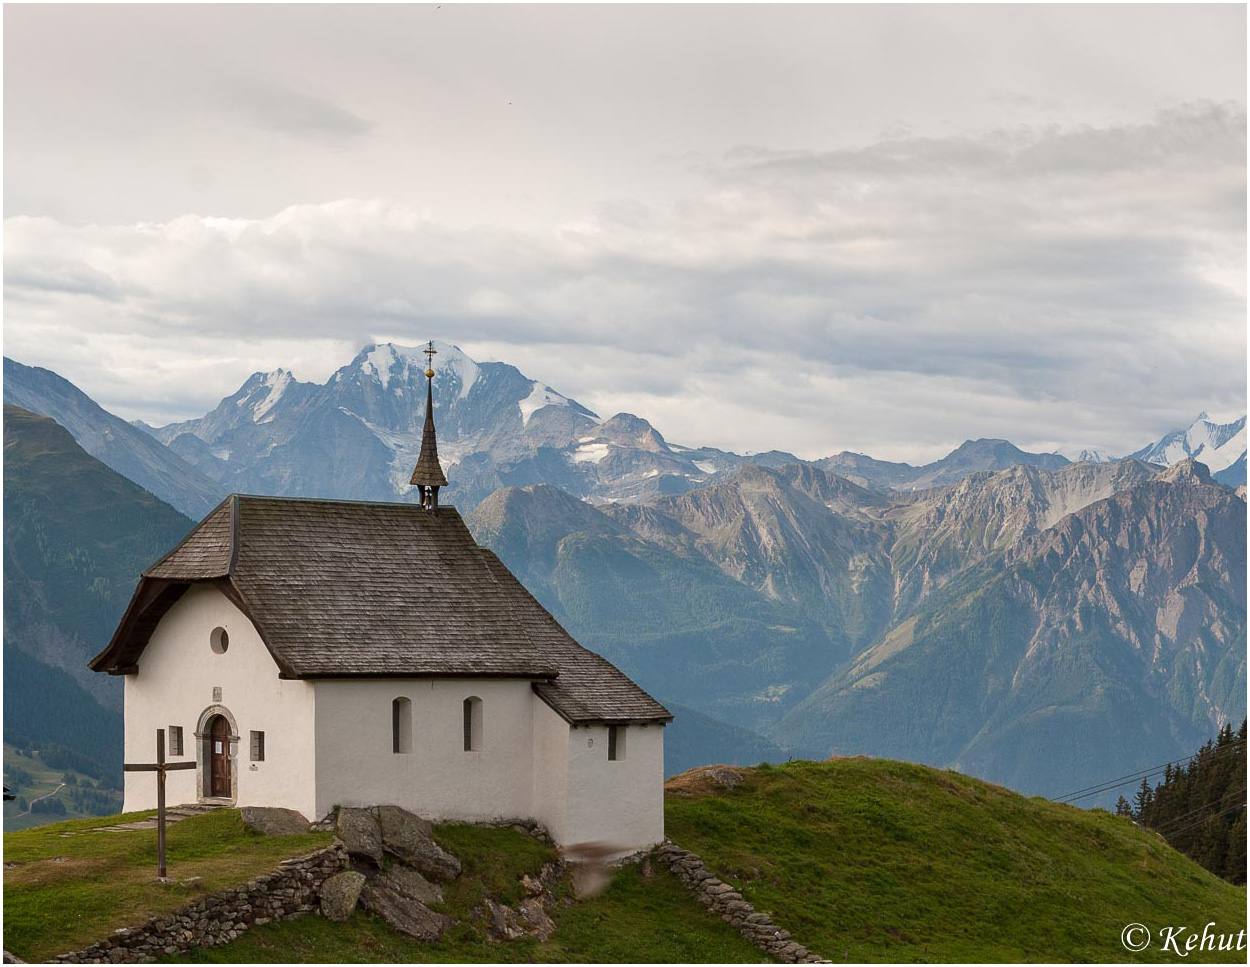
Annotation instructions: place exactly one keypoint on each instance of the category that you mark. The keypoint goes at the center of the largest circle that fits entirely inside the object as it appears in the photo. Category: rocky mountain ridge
(861, 616)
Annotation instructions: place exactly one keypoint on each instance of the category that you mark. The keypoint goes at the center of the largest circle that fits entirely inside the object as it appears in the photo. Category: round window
(219, 640)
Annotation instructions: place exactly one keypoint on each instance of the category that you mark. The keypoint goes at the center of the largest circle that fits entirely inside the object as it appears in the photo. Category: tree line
(1200, 807)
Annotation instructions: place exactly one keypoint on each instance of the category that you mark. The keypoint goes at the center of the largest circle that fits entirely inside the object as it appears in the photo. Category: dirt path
(41, 798)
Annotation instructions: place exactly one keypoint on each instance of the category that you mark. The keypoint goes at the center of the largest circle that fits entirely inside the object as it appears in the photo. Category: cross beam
(160, 767)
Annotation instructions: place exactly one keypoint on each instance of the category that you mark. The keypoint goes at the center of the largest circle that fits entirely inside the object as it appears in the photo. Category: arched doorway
(217, 758)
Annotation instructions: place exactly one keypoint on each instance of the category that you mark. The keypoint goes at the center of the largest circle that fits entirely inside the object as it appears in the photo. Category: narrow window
(401, 726)
(616, 742)
(175, 740)
(472, 724)
(258, 746)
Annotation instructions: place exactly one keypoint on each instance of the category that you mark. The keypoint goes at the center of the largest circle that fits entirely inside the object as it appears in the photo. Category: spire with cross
(428, 475)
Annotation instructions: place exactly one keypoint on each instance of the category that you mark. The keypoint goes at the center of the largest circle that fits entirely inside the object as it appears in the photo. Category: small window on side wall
(616, 743)
(258, 746)
(473, 724)
(175, 740)
(401, 726)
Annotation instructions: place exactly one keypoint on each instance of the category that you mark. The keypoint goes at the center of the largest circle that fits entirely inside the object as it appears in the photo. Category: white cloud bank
(1055, 285)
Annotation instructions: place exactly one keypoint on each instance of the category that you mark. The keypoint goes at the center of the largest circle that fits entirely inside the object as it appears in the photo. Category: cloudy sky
(877, 228)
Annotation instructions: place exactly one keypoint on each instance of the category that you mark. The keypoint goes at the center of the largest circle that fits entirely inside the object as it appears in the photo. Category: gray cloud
(894, 299)
(294, 113)
(810, 227)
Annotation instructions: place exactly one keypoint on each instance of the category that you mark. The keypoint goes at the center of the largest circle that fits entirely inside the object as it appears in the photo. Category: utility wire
(1133, 777)
(1201, 822)
(1174, 820)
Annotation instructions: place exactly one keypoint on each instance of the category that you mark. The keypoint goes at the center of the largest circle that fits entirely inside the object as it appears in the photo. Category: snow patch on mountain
(1218, 445)
(540, 396)
(387, 360)
(466, 370)
(1089, 455)
(590, 453)
(277, 381)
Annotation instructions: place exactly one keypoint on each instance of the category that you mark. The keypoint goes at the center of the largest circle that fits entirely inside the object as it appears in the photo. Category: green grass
(637, 920)
(874, 860)
(862, 860)
(62, 893)
(640, 918)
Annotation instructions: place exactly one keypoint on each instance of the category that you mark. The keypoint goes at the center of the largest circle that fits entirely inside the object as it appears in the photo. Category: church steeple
(428, 474)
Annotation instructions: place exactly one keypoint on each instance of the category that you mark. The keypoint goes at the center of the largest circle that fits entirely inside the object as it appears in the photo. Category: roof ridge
(406, 504)
(190, 534)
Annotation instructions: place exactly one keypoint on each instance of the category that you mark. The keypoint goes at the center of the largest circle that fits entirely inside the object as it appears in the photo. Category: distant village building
(313, 653)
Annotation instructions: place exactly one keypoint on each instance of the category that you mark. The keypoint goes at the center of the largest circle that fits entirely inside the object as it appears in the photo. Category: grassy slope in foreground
(875, 860)
(62, 893)
(640, 918)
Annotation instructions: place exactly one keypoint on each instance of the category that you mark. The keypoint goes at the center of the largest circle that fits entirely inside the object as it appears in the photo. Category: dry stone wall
(733, 909)
(289, 891)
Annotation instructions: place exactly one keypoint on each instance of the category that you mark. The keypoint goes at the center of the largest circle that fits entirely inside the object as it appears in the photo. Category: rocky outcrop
(274, 821)
(369, 833)
(360, 833)
(404, 914)
(411, 839)
(409, 883)
(723, 899)
(289, 891)
(340, 893)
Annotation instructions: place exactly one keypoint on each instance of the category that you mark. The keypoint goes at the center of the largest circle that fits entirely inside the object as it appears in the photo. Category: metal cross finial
(430, 353)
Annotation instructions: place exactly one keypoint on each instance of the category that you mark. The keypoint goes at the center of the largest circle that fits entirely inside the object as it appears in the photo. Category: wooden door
(219, 757)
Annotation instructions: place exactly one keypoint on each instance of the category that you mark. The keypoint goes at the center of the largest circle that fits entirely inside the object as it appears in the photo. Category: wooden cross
(160, 767)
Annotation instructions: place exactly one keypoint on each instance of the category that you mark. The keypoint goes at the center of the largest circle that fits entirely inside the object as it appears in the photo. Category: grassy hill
(876, 860)
(860, 859)
(63, 892)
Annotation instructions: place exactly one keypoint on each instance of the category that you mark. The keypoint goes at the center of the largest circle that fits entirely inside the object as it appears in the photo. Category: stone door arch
(217, 742)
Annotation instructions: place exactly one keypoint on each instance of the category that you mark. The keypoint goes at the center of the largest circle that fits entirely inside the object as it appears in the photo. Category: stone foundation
(723, 899)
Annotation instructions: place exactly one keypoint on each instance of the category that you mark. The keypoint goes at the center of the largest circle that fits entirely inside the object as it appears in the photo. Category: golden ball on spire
(429, 374)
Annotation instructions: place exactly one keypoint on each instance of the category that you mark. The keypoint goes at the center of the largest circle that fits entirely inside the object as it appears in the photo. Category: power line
(1133, 777)
(1181, 818)
(1201, 822)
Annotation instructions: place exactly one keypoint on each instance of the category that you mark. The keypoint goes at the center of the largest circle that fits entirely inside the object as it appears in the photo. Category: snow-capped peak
(1089, 455)
(1218, 445)
(539, 397)
(387, 359)
(277, 383)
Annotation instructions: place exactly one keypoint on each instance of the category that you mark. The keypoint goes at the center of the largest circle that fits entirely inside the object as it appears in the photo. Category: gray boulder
(411, 839)
(505, 923)
(274, 820)
(403, 914)
(407, 882)
(340, 893)
(359, 831)
(534, 917)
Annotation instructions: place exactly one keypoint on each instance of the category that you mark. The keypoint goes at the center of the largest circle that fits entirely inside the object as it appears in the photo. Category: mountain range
(357, 435)
(76, 536)
(1029, 619)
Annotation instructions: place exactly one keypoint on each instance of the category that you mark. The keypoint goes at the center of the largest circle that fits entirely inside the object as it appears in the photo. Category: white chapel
(312, 653)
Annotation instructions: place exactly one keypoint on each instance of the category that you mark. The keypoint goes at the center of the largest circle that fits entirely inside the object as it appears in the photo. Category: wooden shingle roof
(348, 589)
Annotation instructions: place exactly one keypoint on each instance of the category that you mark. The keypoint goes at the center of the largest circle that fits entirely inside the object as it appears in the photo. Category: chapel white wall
(617, 805)
(174, 686)
(437, 779)
(551, 769)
